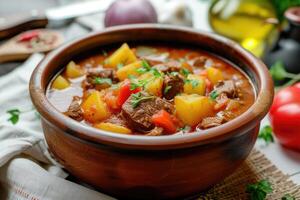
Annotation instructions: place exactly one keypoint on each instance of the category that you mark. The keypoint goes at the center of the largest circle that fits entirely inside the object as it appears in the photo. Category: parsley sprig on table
(279, 73)
(14, 115)
(288, 197)
(259, 190)
(266, 134)
(137, 98)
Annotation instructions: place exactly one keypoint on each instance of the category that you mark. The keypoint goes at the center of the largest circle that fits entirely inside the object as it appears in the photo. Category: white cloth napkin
(27, 171)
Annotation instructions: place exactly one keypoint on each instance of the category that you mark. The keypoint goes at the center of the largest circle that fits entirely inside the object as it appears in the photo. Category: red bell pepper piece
(27, 36)
(164, 119)
(285, 116)
(125, 92)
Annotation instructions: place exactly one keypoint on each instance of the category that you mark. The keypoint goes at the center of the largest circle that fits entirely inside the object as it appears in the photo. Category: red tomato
(125, 92)
(285, 116)
(164, 119)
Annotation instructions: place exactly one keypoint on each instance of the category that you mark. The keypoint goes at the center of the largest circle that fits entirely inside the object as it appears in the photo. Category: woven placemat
(255, 168)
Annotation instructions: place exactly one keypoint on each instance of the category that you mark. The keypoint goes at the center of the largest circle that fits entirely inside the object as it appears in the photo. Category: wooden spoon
(23, 45)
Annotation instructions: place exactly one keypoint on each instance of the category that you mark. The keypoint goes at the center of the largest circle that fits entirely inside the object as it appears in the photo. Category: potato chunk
(191, 109)
(94, 108)
(123, 55)
(60, 83)
(127, 70)
(194, 85)
(113, 128)
(214, 75)
(154, 84)
(73, 70)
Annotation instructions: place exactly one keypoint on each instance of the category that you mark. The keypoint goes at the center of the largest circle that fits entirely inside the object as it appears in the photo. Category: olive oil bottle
(245, 21)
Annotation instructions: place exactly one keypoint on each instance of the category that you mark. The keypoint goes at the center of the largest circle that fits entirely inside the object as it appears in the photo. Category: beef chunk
(210, 122)
(139, 117)
(74, 111)
(227, 87)
(173, 85)
(94, 73)
(200, 61)
(172, 66)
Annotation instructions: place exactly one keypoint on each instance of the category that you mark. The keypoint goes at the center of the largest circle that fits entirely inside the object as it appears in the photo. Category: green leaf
(140, 83)
(146, 65)
(193, 82)
(14, 115)
(213, 95)
(166, 90)
(185, 72)
(259, 190)
(120, 65)
(266, 134)
(278, 71)
(288, 197)
(99, 80)
(281, 6)
(137, 98)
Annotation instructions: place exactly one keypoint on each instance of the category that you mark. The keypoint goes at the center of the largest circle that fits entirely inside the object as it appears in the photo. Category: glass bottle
(244, 21)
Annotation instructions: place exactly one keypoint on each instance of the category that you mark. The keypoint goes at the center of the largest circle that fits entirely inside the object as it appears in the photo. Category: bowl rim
(247, 120)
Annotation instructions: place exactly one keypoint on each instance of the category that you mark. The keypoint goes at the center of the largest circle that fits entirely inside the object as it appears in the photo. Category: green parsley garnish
(185, 72)
(104, 53)
(288, 197)
(120, 65)
(140, 83)
(155, 72)
(146, 65)
(213, 95)
(14, 115)
(194, 82)
(266, 134)
(185, 129)
(166, 90)
(259, 190)
(99, 80)
(174, 73)
(137, 98)
(131, 77)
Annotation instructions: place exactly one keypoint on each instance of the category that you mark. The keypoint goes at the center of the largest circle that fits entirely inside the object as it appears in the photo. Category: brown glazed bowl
(149, 167)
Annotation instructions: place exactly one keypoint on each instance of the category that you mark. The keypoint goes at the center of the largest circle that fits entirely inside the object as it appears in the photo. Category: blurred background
(261, 26)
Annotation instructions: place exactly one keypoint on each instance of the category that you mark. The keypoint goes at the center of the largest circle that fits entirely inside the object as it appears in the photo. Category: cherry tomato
(285, 116)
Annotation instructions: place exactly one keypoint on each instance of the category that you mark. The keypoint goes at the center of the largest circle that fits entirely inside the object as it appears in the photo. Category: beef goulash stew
(151, 90)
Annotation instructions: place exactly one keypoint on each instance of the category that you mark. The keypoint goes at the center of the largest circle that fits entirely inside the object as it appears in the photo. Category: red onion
(130, 12)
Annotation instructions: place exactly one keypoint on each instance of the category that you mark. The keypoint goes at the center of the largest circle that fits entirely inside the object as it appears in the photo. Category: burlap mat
(256, 167)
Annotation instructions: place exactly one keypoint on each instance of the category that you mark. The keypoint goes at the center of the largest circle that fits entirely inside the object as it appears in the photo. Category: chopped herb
(277, 71)
(166, 90)
(185, 72)
(288, 197)
(104, 53)
(259, 190)
(156, 73)
(120, 65)
(140, 83)
(130, 76)
(137, 98)
(185, 129)
(194, 82)
(141, 70)
(14, 115)
(174, 73)
(115, 86)
(99, 80)
(213, 95)
(266, 134)
(146, 65)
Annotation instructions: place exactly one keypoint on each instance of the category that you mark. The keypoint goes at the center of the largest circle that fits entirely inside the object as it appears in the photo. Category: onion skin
(130, 12)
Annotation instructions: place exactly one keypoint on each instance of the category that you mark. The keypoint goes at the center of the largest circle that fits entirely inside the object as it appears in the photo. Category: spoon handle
(13, 24)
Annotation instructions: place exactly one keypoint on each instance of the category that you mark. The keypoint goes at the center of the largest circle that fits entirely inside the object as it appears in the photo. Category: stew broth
(151, 90)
